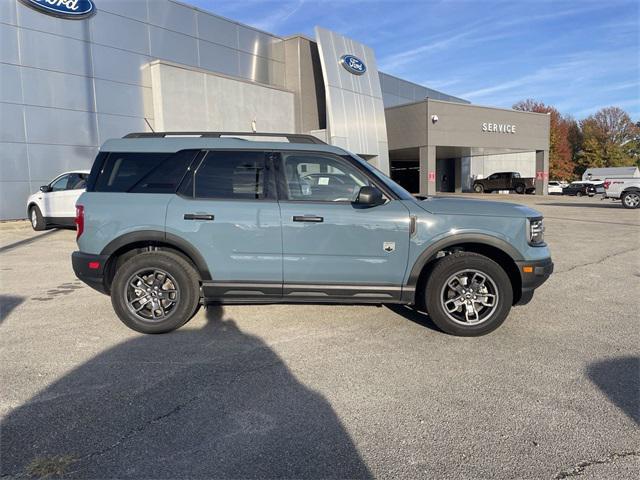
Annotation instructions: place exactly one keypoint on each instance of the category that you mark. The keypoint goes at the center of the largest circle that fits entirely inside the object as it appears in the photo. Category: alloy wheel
(34, 218)
(152, 294)
(632, 200)
(469, 297)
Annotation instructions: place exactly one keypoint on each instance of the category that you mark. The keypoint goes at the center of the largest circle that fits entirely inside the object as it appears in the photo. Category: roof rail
(291, 137)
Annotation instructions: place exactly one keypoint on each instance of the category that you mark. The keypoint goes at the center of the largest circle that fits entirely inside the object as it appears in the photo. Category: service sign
(353, 64)
(70, 9)
(498, 127)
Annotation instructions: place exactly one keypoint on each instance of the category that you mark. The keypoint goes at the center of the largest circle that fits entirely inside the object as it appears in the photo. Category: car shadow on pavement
(7, 304)
(619, 379)
(414, 316)
(206, 403)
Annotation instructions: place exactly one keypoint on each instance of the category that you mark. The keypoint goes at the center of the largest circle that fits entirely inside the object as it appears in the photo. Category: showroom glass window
(321, 178)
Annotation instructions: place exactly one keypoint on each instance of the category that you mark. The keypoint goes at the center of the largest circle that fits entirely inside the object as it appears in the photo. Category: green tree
(561, 164)
(610, 139)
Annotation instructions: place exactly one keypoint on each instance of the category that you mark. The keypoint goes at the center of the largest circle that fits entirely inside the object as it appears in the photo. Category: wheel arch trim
(165, 238)
(458, 239)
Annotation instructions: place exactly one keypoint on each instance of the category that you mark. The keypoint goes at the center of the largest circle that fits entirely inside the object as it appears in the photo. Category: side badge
(389, 246)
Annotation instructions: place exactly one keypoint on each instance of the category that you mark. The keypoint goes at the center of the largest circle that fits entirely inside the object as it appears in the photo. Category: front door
(227, 209)
(54, 200)
(331, 247)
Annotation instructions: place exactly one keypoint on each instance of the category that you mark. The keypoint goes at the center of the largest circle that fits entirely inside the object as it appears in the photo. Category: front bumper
(94, 277)
(533, 274)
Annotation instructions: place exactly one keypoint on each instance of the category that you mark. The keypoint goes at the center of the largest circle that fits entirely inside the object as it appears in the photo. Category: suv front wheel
(155, 292)
(468, 294)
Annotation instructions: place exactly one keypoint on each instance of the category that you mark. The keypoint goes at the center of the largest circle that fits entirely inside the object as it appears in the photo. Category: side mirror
(45, 188)
(369, 197)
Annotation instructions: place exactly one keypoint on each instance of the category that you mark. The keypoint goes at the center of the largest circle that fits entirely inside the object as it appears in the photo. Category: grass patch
(44, 467)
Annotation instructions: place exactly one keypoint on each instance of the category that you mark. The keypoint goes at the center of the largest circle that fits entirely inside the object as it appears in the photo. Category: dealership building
(71, 79)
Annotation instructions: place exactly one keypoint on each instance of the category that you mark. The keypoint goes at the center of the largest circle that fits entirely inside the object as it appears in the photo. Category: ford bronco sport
(170, 222)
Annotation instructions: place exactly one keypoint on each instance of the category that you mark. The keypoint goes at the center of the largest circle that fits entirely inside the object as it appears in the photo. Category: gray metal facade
(396, 91)
(66, 86)
(355, 110)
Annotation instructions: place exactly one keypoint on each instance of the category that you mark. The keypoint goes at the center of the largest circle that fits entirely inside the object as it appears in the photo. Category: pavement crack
(175, 410)
(579, 468)
(599, 261)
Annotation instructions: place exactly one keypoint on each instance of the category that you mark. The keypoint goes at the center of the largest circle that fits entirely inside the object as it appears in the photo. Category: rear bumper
(541, 270)
(94, 277)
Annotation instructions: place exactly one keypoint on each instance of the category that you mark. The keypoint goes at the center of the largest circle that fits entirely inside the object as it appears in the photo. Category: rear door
(75, 186)
(227, 209)
(331, 247)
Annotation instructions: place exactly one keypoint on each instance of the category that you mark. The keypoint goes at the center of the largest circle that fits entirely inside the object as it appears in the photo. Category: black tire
(437, 290)
(520, 189)
(36, 219)
(478, 188)
(579, 194)
(630, 199)
(179, 274)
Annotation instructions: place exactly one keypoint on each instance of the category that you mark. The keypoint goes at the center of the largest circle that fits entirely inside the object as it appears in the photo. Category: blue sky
(579, 56)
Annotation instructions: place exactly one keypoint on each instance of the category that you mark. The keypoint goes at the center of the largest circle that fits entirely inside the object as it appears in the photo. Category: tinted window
(321, 178)
(60, 184)
(77, 181)
(143, 172)
(232, 175)
(495, 176)
(166, 177)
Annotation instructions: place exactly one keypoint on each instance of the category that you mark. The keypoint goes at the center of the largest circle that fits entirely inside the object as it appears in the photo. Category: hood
(465, 206)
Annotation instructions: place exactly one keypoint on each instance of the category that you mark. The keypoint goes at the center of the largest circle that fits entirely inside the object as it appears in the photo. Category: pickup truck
(504, 181)
(626, 190)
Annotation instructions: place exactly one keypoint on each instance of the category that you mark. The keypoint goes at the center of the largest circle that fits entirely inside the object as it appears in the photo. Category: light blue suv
(170, 222)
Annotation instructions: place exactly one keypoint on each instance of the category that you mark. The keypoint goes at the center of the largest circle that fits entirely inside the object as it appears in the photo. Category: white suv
(55, 203)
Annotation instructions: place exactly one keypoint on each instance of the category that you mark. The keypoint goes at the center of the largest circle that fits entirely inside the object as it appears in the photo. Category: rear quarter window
(143, 172)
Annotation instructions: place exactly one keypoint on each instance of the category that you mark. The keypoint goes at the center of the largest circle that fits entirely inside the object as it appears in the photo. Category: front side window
(495, 176)
(321, 178)
(60, 184)
(232, 175)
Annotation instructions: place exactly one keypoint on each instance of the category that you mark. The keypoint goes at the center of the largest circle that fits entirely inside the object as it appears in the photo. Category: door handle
(308, 218)
(198, 216)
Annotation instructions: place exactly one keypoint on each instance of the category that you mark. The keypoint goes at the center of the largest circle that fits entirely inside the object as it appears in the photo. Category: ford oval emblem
(73, 9)
(353, 64)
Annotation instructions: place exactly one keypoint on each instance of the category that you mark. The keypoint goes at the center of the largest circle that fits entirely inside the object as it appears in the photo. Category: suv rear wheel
(478, 188)
(155, 292)
(520, 189)
(468, 294)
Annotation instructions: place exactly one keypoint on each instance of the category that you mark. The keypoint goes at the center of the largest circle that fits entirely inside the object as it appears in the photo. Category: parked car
(505, 181)
(555, 187)
(168, 224)
(54, 205)
(625, 189)
(579, 189)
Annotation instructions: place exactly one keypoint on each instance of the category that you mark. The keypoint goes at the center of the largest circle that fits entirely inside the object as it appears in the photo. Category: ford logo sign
(353, 64)
(74, 9)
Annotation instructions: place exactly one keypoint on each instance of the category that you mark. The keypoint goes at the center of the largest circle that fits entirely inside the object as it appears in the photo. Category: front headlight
(535, 231)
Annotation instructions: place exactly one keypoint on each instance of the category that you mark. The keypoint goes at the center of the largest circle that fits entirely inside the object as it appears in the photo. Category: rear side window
(143, 172)
(233, 175)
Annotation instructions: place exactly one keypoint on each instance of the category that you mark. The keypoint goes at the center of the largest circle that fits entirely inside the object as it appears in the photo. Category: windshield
(393, 186)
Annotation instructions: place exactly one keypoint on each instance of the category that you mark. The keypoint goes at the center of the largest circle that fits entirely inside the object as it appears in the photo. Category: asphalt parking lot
(328, 391)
